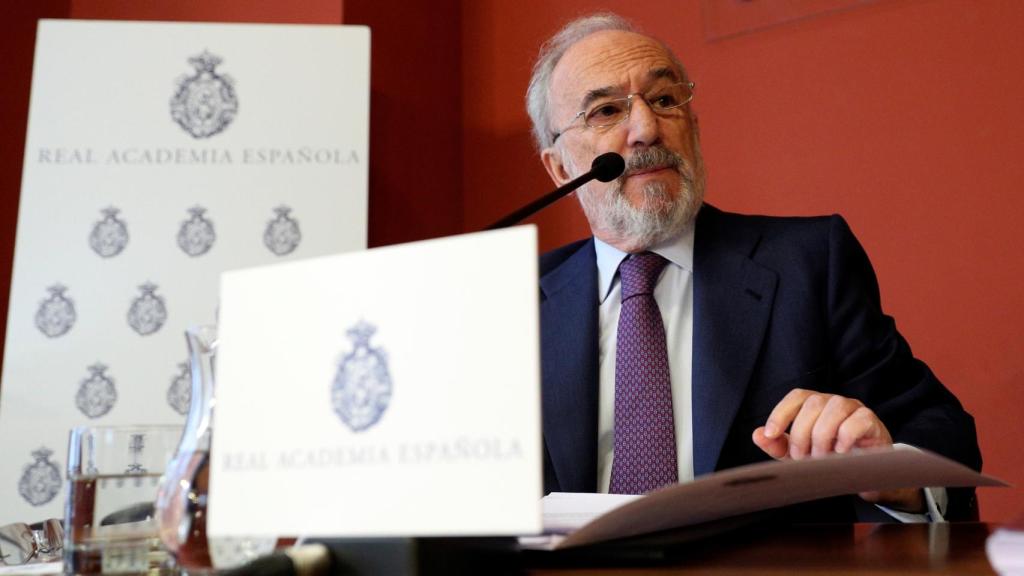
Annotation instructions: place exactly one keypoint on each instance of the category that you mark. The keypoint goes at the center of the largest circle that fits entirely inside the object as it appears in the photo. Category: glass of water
(113, 475)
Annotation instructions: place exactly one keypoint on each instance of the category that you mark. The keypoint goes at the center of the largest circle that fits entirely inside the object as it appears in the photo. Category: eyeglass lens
(17, 544)
(21, 543)
(610, 112)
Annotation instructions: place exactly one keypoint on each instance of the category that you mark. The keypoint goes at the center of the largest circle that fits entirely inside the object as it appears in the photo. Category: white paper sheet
(568, 511)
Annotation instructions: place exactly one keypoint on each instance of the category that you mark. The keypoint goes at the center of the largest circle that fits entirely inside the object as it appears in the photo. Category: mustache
(655, 157)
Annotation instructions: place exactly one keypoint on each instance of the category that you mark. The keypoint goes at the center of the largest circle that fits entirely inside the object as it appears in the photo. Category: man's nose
(642, 123)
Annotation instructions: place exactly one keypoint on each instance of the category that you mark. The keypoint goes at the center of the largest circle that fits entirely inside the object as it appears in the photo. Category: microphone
(605, 168)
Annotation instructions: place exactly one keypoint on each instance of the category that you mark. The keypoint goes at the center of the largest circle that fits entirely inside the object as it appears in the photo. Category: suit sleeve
(874, 364)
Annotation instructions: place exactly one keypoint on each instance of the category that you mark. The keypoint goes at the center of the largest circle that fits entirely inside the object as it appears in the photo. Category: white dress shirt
(674, 295)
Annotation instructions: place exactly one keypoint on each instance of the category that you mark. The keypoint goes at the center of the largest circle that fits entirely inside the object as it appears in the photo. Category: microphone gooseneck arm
(605, 168)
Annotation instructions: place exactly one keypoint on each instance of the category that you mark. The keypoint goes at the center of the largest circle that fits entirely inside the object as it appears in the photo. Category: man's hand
(820, 424)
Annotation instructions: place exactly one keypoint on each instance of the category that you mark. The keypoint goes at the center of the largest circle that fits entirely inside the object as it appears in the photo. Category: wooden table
(911, 549)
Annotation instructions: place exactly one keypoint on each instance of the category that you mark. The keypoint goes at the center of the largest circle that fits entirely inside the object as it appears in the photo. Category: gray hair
(552, 51)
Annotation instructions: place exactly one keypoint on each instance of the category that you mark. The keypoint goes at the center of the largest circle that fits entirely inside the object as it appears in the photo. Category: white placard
(394, 391)
(157, 156)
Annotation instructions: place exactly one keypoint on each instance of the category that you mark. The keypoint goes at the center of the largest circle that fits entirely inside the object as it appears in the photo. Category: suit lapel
(733, 298)
(569, 341)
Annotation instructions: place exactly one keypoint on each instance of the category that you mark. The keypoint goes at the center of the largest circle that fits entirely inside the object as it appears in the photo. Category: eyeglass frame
(47, 540)
(629, 109)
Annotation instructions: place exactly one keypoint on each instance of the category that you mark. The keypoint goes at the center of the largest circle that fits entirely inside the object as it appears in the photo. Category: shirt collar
(677, 250)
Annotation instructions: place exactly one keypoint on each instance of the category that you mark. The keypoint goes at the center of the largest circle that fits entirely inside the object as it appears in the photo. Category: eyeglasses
(22, 543)
(607, 112)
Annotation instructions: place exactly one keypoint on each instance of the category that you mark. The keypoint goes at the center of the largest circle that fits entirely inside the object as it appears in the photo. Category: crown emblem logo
(56, 314)
(362, 385)
(179, 393)
(205, 102)
(282, 234)
(41, 480)
(148, 312)
(97, 393)
(109, 236)
(196, 235)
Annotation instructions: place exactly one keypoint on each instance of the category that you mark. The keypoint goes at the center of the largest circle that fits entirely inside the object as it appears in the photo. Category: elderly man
(681, 339)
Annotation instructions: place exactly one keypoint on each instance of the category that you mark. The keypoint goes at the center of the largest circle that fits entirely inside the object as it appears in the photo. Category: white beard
(661, 214)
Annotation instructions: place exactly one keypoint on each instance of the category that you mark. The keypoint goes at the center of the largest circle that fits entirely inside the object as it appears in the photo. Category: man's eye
(607, 111)
(664, 101)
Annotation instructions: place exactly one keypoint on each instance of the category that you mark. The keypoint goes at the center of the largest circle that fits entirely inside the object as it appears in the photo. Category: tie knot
(639, 273)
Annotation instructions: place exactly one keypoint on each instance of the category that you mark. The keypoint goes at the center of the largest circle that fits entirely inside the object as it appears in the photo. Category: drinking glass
(113, 475)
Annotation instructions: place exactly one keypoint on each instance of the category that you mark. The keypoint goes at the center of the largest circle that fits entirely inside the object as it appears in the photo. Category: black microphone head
(607, 166)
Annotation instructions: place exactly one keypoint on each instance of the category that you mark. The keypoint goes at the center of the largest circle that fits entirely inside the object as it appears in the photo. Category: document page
(568, 511)
(590, 518)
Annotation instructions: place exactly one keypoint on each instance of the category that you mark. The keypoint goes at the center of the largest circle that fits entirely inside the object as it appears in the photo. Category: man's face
(662, 187)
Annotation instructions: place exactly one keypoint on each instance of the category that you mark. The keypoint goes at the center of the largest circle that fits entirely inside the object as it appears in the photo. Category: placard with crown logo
(413, 392)
(159, 155)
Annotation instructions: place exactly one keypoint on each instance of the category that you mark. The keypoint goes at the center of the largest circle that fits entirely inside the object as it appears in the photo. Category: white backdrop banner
(157, 156)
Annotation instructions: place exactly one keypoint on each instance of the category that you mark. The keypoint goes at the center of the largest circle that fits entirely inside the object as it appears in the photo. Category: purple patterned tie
(645, 432)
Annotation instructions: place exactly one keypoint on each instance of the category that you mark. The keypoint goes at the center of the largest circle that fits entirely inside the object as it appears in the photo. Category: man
(681, 339)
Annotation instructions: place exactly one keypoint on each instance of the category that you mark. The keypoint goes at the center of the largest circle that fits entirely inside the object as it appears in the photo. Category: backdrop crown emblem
(109, 236)
(97, 394)
(148, 312)
(179, 394)
(205, 103)
(282, 234)
(41, 480)
(56, 314)
(196, 235)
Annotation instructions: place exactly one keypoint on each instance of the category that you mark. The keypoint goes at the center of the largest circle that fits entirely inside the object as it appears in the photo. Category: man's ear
(552, 160)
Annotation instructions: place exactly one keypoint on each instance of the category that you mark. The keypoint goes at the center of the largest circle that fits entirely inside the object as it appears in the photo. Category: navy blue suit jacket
(779, 303)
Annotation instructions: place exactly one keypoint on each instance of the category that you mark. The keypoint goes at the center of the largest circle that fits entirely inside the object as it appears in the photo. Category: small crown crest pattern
(148, 312)
(56, 315)
(282, 235)
(96, 393)
(179, 393)
(109, 236)
(196, 234)
(40, 480)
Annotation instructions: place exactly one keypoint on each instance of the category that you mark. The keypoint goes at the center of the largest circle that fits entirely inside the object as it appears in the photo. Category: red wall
(256, 11)
(415, 102)
(903, 115)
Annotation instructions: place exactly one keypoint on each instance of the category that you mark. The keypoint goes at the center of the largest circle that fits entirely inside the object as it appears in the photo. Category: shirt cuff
(935, 499)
